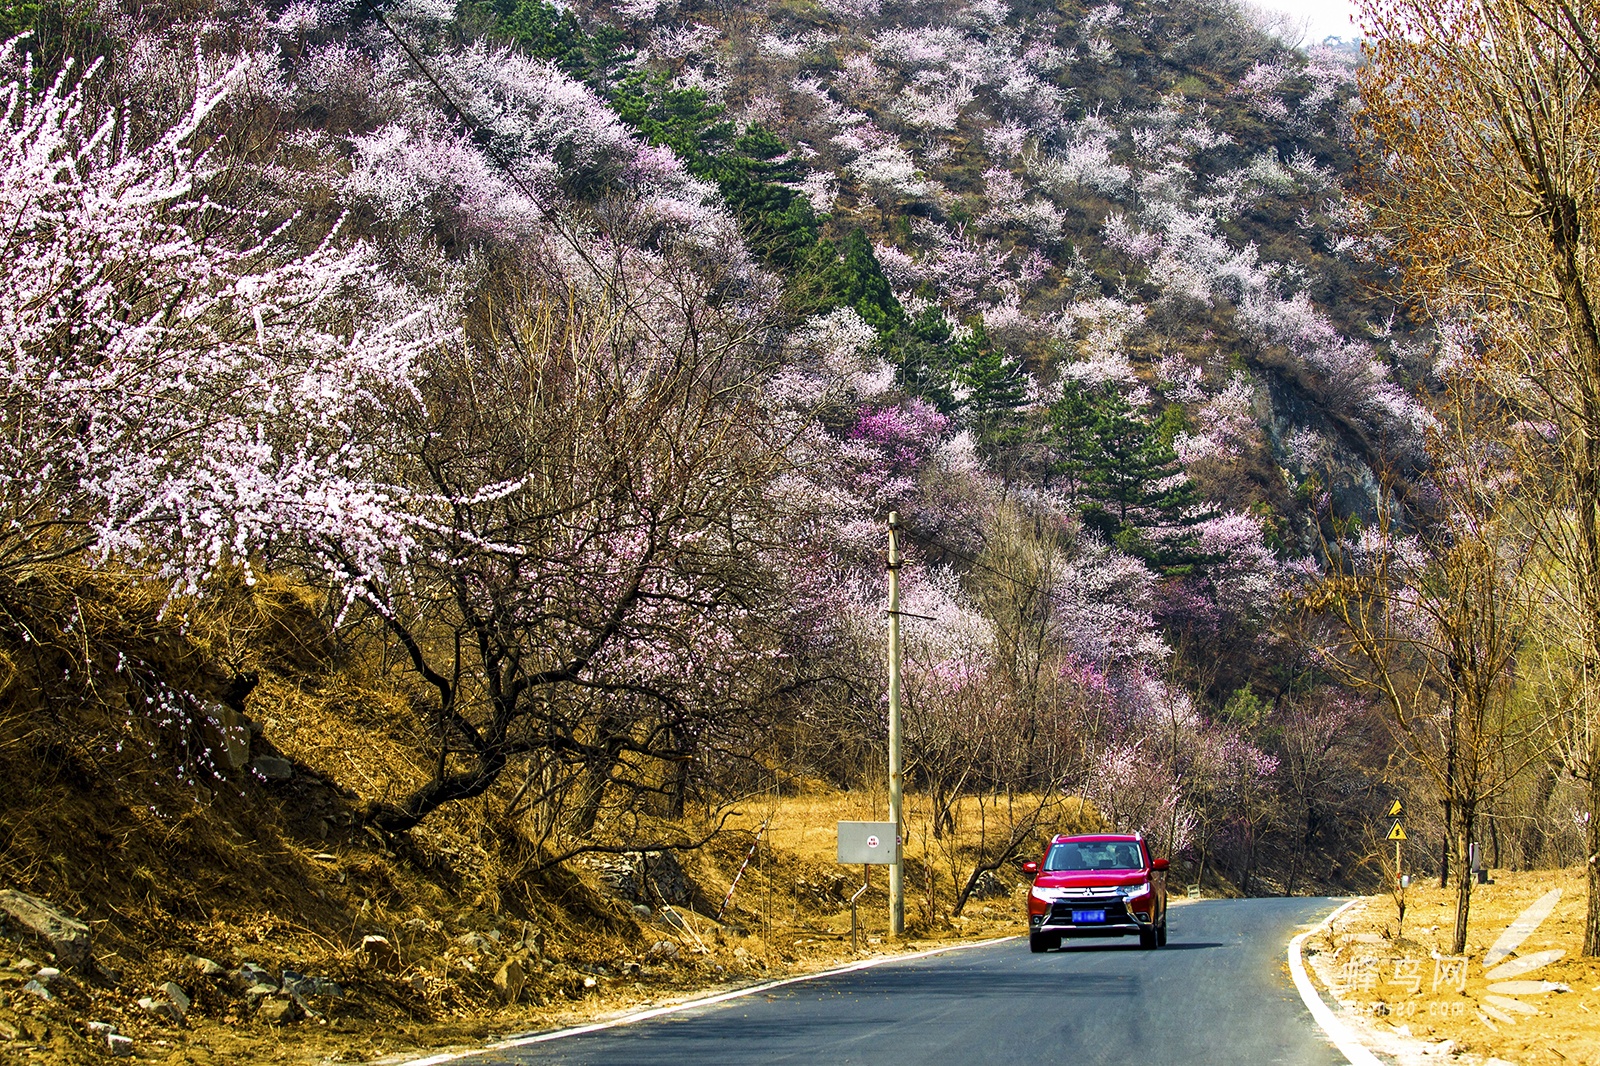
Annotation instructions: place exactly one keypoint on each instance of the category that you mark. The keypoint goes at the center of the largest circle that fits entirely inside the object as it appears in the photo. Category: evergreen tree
(1071, 431)
(921, 350)
(1125, 467)
(994, 384)
(848, 275)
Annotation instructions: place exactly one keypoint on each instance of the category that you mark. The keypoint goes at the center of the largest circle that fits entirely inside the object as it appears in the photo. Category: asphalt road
(1218, 993)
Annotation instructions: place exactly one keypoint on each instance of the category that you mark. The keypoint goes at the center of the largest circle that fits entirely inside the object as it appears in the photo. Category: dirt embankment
(190, 788)
(426, 960)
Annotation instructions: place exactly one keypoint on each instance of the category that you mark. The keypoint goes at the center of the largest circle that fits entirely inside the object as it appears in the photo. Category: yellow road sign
(1395, 809)
(1397, 832)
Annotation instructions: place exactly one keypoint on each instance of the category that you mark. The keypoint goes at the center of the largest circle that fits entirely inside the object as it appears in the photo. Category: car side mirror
(1158, 864)
(1030, 867)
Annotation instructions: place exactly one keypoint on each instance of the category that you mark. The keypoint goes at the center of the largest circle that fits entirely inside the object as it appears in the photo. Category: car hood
(1090, 878)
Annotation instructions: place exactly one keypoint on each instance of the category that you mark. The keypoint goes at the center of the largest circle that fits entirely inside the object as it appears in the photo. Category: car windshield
(1094, 855)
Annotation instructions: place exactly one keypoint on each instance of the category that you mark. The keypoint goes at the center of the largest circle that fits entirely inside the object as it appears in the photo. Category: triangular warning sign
(1397, 833)
(1394, 809)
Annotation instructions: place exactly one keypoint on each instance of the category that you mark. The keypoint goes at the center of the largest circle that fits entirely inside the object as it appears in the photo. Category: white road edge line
(721, 997)
(1342, 1038)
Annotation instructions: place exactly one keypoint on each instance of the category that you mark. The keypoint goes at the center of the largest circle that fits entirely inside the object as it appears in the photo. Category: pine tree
(1125, 467)
(921, 350)
(994, 384)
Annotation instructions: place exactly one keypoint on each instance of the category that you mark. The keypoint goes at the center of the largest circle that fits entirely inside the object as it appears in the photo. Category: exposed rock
(177, 997)
(67, 937)
(476, 943)
(300, 985)
(278, 1011)
(205, 967)
(249, 974)
(34, 988)
(643, 876)
(118, 1045)
(988, 886)
(380, 952)
(641, 912)
(510, 979)
(272, 767)
(229, 736)
(162, 1008)
(663, 949)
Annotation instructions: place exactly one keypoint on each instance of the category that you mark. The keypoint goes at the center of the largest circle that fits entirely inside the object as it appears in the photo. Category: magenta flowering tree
(904, 435)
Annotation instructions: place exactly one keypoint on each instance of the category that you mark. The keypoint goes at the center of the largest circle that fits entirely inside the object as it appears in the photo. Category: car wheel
(1039, 942)
(1147, 938)
(1161, 933)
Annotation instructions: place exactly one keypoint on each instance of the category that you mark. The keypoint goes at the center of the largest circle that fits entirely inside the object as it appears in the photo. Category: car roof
(1096, 838)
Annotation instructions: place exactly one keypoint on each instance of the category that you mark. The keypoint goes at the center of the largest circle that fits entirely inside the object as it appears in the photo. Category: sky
(1326, 17)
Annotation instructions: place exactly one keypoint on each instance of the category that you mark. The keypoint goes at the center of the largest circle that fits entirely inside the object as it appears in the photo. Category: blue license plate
(1088, 916)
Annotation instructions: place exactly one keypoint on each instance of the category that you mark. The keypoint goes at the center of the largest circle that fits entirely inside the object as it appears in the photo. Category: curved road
(1218, 993)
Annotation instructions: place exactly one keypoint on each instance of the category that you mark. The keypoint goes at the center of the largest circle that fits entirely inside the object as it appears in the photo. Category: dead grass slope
(126, 806)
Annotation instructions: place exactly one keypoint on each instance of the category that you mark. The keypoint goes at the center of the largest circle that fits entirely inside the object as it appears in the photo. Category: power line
(485, 139)
(931, 542)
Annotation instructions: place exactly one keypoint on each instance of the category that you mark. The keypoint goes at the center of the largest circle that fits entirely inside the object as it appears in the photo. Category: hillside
(450, 448)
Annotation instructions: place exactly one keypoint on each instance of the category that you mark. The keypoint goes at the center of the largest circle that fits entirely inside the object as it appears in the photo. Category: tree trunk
(448, 788)
(1591, 923)
(1565, 223)
(682, 770)
(1463, 880)
(1444, 849)
(596, 776)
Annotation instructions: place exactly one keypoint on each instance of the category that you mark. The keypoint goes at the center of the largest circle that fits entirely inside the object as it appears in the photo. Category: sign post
(1397, 833)
(868, 844)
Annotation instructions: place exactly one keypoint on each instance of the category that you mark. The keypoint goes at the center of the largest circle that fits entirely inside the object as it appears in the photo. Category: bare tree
(1433, 625)
(1483, 119)
(584, 583)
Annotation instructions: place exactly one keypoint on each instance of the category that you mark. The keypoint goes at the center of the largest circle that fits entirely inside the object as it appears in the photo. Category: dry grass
(1566, 1026)
(806, 824)
(234, 868)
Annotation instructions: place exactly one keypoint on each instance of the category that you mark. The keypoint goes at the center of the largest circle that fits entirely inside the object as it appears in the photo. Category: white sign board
(869, 843)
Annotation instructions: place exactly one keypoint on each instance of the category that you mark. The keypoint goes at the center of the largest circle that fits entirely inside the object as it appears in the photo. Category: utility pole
(897, 891)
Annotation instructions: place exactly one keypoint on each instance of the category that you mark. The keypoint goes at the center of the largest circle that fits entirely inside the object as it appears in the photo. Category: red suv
(1103, 884)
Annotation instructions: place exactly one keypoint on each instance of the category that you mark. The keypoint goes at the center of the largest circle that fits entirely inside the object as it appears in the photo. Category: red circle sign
(872, 842)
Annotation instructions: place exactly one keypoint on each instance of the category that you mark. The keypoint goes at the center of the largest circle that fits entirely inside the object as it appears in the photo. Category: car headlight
(1048, 895)
(1134, 891)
